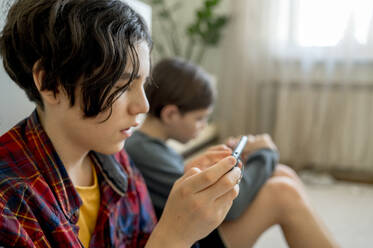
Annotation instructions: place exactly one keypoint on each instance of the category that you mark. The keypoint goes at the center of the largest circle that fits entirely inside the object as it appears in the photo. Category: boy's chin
(186, 140)
(112, 149)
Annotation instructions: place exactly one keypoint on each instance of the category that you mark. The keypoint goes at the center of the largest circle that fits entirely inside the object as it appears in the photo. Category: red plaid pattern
(39, 205)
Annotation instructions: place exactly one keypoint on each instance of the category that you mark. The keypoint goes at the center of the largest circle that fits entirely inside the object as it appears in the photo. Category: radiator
(324, 126)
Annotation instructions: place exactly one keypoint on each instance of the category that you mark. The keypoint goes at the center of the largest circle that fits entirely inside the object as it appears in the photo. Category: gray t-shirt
(161, 166)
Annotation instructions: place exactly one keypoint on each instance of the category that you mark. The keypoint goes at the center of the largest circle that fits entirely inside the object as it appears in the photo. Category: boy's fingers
(192, 171)
(211, 175)
(215, 156)
(221, 147)
(228, 197)
(239, 164)
(231, 142)
(210, 158)
(207, 159)
(224, 184)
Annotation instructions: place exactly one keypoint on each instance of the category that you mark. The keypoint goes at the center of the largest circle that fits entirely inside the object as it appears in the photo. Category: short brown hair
(178, 82)
(85, 41)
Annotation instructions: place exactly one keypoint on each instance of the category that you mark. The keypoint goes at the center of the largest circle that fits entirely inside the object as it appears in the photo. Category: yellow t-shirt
(88, 211)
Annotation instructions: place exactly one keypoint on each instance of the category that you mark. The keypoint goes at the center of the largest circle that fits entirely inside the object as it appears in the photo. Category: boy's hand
(197, 204)
(208, 158)
(254, 142)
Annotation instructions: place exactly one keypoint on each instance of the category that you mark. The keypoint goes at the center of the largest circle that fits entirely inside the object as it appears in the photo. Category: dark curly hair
(78, 43)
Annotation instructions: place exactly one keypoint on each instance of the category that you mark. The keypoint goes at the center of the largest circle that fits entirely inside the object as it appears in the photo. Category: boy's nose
(140, 104)
(202, 125)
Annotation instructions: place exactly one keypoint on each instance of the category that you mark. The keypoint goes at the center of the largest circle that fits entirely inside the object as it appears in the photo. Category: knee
(286, 193)
(285, 171)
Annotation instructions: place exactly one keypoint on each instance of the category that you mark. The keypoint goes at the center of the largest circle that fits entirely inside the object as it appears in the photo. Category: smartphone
(239, 148)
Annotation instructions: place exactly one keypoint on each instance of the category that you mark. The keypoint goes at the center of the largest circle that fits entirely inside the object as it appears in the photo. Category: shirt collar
(112, 171)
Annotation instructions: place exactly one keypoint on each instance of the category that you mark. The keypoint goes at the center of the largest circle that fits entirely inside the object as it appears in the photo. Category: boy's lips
(128, 131)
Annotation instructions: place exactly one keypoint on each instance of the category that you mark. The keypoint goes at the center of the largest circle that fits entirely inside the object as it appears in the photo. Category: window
(331, 26)
(324, 23)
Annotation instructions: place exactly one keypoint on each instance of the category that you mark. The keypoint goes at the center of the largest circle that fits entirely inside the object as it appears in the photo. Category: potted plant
(203, 32)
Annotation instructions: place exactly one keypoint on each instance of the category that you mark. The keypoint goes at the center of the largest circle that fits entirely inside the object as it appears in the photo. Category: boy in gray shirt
(148, 151)
(181, 98)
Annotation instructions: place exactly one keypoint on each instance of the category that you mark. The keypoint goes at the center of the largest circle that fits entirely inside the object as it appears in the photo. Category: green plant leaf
(211, 3)
(203, 32)
(221, 21)
(164, 14)
(155, 2)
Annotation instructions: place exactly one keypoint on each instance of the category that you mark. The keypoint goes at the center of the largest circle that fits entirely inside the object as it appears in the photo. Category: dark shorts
(211, 240)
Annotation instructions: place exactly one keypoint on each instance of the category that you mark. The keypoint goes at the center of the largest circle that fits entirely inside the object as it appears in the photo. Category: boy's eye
(203, 119)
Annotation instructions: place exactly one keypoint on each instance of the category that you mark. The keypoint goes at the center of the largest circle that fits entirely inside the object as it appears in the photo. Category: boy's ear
(169, 113)
(38, 75)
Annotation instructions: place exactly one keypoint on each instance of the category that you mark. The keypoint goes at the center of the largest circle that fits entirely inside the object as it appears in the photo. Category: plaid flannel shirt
(40, 207)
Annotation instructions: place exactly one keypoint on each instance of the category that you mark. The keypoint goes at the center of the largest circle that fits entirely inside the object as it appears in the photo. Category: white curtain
(302, 71)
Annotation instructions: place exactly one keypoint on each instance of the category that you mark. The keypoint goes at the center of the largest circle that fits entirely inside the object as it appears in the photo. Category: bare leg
(283, 201)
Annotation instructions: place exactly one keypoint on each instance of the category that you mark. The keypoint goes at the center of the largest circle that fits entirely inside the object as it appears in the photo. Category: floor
(346, 208)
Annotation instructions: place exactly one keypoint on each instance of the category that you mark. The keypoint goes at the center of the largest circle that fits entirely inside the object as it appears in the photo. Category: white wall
(143, 9)
(14, 104)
